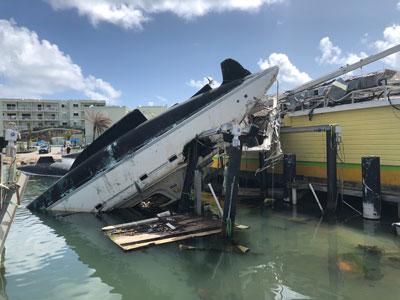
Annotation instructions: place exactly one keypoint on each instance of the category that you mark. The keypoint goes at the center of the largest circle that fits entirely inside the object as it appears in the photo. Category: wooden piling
(232, 185)
(371, 187)
(289, 174)
(331, 152)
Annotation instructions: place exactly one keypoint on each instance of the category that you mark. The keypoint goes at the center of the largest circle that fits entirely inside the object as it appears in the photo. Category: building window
(40, 124)
(76, 114)
(65, 124)
(62, 105)
(76, 105)
(51, 124)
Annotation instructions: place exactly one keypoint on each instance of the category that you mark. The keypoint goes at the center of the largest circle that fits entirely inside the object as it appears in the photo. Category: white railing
(5, 107)
(10, 118)
(31, 118)
(31, 108)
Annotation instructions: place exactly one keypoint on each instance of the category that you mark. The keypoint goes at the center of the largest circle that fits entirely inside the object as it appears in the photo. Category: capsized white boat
(149, 157)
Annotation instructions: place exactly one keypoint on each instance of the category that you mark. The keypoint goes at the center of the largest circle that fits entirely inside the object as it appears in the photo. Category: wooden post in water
(289, 174)
(331, 172)
(232, 186)
(197, 192)
(371, 187)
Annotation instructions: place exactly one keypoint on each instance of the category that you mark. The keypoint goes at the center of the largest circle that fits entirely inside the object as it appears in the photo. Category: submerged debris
(367, 266)
(394, 259)
(371, 249)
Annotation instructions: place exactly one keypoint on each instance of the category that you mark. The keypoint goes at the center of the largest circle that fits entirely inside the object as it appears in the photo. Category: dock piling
(331, 152)
(289, 174)
(232, 186)
(371, 187)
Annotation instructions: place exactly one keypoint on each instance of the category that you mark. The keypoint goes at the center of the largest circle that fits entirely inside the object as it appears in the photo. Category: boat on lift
(138, 159)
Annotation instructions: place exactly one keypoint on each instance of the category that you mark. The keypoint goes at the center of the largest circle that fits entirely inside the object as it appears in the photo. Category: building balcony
(9, 108)
(10, 118)
(31, 118)
(30, 108)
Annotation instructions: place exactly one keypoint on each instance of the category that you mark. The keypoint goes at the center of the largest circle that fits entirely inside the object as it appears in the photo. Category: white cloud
(333, 55)
(198, 84)
(150, 103)
(398, 5)
(31, 68)
(391, 37)
(289, 75)
(133, 13)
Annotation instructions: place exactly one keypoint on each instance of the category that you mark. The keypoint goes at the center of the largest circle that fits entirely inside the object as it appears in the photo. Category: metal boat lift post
(333, 133)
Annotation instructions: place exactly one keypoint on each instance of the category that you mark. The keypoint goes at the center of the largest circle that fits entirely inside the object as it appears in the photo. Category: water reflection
(293, 256)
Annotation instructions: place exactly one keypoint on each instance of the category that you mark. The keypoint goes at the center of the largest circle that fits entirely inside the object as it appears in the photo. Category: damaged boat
(47, 166)
(137, 159)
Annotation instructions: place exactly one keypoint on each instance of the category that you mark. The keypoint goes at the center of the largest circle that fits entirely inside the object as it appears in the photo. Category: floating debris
(371, 249)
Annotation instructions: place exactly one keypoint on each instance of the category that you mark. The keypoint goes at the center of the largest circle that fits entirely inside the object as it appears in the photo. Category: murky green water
(292, 256)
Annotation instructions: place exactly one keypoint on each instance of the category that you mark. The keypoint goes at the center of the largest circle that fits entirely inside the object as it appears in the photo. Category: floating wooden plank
(158, 233)
(170, 240)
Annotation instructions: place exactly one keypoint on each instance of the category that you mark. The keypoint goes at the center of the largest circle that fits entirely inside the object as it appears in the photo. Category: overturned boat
(137, 159)
(47, 166)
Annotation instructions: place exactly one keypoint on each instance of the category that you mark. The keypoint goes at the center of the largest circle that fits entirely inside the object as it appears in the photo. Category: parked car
(44, 149)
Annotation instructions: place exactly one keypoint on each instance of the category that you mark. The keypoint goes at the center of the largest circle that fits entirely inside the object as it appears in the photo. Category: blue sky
(158, 52)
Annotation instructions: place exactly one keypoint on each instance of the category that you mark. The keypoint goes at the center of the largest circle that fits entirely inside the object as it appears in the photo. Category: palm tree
(68, 134)
(29, 136)
(99, 121)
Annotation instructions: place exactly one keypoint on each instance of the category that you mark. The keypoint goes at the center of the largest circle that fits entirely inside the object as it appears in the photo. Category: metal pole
(232, 186)
(316, 198)
(216, 200)
(197, 192)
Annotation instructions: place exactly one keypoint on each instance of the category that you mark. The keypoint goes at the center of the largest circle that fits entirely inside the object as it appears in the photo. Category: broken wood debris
(130, 236)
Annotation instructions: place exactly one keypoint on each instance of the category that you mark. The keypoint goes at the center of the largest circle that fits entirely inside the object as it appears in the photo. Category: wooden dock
(9, 209)
(162, 231)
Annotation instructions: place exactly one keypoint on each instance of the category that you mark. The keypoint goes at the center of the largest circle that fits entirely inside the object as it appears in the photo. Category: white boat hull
(148, 171)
